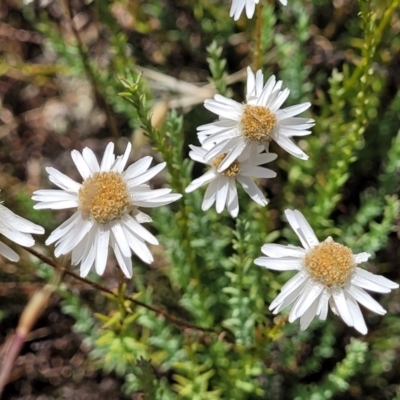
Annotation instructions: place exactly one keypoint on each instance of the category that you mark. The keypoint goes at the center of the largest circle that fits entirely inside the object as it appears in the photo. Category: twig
(175, 321)
(112, 126)
(33, 310)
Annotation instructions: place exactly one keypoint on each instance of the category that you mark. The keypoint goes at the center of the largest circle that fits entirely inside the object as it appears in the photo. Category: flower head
(259, 121)
(107, 201)
(328, 274)
(222, 185)
(239, 5)
(18, 230)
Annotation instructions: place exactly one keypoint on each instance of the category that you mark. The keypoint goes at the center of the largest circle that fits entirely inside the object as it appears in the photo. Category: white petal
(297, 123)
(341, 306)
(222, 193)
(376, 279)
(103, 238)
(278, 251)
(222, 135)
(292, 111)
(125, 263)
(91, 160)
(81, 249)
(23, 239)
(257, 172)
(53, 195)
(252, 190)
(137, 168)
(361, 257)
(220, 148)
(57, 205)
(146, 176)
(139, 230)
(8, 252)
(232, 155)
(322, 310)
(158, 202)
(289, 292)
(232, 203)
(120, 239)
(290, 147)
(197, 154)
(203, 180)
(290, 132)
(224, 107)
(69, 241)
(142, 217)
(64, 228)
(358, 319)
(309, 315)
(250, 8)
(89, 253)
(15, 222)
(80, 164)
(138, 246)
(368, 284)
(302, 228)
(251, 82)
(108, 158)
(210, 195)
(365, 299)
(63, 181)
(310, 292)
(121, 161)
(267, 90)
(149, 194)
(279, 264)
(281, 98)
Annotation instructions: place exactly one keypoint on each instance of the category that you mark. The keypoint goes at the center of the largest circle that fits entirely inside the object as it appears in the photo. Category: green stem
(258, 44)
(112, 125)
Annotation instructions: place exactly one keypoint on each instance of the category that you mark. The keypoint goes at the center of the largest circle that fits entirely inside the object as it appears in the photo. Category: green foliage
(337, 380)
(196, 324)
(217, 68)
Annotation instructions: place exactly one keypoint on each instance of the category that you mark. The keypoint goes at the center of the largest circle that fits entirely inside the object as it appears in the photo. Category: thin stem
(258, 46)
(112, 125)
(387, 17)
(175, 321)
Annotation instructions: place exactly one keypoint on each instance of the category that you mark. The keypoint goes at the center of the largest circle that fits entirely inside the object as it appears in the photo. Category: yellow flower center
(330, 263)
(104, 197)
(257, 122)
(231, 171)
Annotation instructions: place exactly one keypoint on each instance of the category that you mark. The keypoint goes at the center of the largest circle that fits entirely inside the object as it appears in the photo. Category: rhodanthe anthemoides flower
(222, 185)
(328, 275)
(250, 5)
(259, 121)
(18, 230)
(107, 202)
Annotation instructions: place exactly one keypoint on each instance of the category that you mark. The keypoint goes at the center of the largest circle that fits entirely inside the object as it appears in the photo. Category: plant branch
(175, 321)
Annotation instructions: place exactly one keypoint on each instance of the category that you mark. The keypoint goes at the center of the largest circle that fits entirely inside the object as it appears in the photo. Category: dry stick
(35, 307)
(104, 289)
(112, 126)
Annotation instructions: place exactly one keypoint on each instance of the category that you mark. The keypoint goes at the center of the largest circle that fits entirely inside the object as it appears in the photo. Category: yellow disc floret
(257, 122)
(104, 197)
(231, 171)
(330, 263)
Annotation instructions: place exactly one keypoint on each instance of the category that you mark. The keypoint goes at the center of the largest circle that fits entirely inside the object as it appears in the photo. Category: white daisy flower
(259, 121)
(250, 5)
(18, 230)
(107, 202)
(222, 185)
(327, 275)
